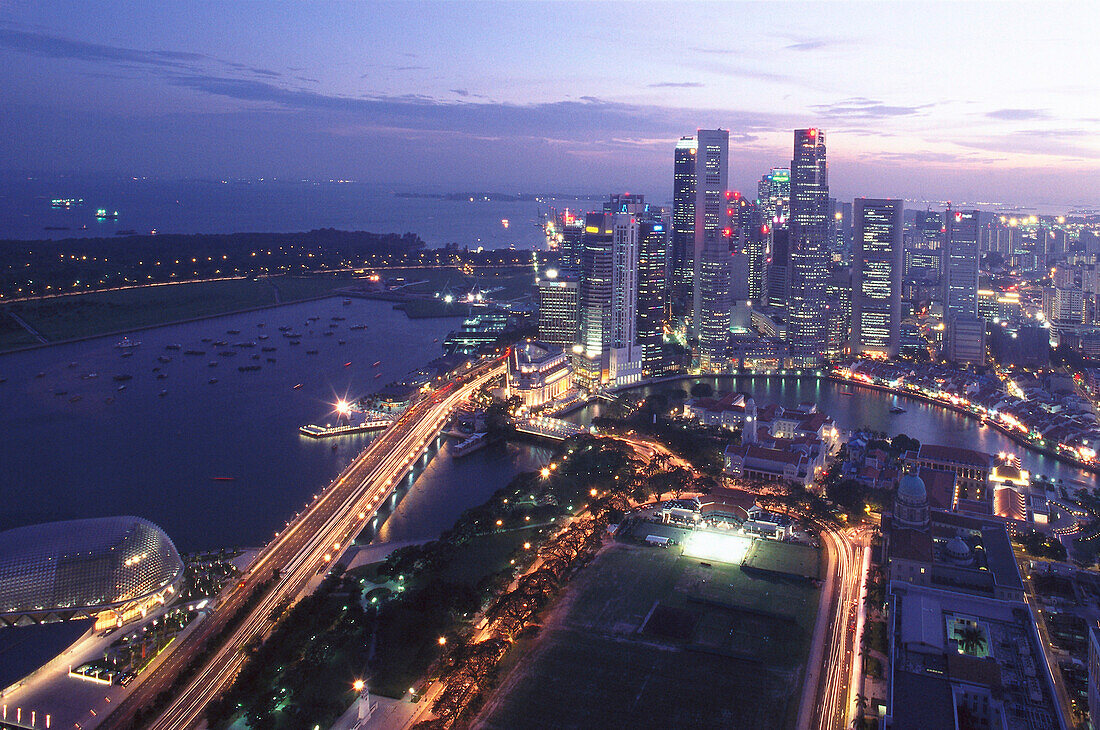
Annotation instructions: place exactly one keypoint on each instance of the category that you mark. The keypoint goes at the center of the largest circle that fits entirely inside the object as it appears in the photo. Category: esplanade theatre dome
(111, 567)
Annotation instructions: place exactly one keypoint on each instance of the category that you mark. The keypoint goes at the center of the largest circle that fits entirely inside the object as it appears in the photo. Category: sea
(230, 206)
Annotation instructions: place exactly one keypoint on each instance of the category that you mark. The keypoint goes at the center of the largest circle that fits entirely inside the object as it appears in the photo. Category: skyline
(517, 96)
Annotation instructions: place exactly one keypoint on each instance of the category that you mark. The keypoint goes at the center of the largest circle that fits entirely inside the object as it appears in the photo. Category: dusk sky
(971, 102)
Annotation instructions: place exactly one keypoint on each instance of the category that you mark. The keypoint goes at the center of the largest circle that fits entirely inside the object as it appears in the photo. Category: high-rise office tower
(681, 255)
(838, 307)
(653, 237)
(959, 279)
(559, 300)
(806, 328)
(570, 229)
(877, 264)
(778, 269)
(748, 248)
(589, 364)
(773, 195)
(711, 305)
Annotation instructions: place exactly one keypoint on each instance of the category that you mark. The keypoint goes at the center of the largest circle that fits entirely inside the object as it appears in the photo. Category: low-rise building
(538, 373)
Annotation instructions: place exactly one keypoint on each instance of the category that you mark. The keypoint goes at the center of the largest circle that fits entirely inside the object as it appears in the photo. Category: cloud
(1018, 114)
(677, 85)
(460, 92)
(861, 108)
(46, 46)
(815, 44)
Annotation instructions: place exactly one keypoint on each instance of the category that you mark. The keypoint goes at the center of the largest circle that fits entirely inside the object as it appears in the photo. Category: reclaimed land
(99, 313)
(647, 638)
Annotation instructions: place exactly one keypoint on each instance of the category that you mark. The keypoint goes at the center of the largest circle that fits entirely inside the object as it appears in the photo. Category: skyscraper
(806, 328)
(778, 269)
(589, 364)
(681, 255)
(773, 195)
(959, 279)
(877, 263)
(653, 237)
(711, 306)
(558, 311)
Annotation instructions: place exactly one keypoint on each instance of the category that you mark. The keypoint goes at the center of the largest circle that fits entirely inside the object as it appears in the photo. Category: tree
(702, 389)
(971, 640)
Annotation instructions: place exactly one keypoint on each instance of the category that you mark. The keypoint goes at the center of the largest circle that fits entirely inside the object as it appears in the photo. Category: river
(854, 408)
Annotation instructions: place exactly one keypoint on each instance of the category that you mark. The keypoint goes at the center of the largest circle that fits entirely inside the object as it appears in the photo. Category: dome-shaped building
(113, 568)
(911, 503)
(958, 552)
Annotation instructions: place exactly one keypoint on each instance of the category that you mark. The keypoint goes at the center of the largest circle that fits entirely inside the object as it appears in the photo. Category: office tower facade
(653, 240)
(959, 279)
(773, 195)
(624, 360)
(559, 310)
(877, 263)
(965, 340)
(681, 254)
(808, 271)
(778, 268)
(838, 307)
(589, 364)
(711, 303)
(570, 233)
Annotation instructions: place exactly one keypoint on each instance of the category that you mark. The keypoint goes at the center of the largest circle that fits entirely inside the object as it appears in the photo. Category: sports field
(645, 637)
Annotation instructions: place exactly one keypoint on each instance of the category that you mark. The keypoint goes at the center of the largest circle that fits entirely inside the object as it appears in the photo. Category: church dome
(957, 551)
(911, 489)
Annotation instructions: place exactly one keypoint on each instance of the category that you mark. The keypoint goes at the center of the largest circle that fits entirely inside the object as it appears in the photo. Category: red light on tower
(727, 232)
(729, 195)
(736, 194)
(811, 132)
(958, 217)
(764, 229)
(729, 211)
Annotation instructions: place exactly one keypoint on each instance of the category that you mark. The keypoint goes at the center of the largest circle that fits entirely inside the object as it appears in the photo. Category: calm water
(156, 456)
(213, 207)
(871, 409)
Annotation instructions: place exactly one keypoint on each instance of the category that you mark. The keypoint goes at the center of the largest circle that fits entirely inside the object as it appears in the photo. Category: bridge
(309, 545)
(547, 427)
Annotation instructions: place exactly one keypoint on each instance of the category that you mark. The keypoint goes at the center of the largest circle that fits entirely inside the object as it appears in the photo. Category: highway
(304, 549)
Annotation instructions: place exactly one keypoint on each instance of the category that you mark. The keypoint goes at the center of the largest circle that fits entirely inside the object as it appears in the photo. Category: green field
(646, 638)
(84, 315)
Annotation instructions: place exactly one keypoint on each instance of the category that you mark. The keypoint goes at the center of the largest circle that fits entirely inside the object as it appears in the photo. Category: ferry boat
(298, 386)
(126, 343)
(896, 410)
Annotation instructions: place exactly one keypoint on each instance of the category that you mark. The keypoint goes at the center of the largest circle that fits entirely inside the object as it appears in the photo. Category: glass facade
(806, 328)
(877, 268)
(84, 565)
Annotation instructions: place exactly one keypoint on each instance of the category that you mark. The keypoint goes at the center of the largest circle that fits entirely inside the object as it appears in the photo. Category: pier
(319, 432)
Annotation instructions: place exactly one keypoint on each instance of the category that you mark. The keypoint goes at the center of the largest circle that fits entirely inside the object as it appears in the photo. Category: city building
(965, 340)
(559, 311)
(112, 569)
(1094, 673)
(876, 278)
(778, 269)
(808, 251)
(538, 373)
(653, 240)
(681, 263)
(960, 267)
(589, 366)
(773, 195)
(971, 468)
(711, 304)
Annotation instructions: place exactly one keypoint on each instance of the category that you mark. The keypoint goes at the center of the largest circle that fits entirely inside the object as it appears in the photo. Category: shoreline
(1014, 437)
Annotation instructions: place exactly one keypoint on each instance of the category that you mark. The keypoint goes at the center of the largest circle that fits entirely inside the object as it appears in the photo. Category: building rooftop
(956, 454)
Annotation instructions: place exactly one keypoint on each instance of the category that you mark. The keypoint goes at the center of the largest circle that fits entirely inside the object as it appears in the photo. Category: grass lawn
(12, 335)
(646, 638)
(100, 312)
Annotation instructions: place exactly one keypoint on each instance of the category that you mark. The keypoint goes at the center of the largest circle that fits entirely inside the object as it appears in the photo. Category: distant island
(499, 197)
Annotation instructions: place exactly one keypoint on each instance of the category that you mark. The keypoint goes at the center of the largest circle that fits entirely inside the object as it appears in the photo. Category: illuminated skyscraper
(773, 195)
(806, 328)
(681, 256)
(876, 277)
(558, 311)
(711, 307)
(959, 279)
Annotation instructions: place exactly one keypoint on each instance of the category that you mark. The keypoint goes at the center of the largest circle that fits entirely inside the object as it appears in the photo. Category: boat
(109, 399)
(263, 337)
(298, 386)
(85, 376)
(75, 398)
(213, 363)
(61, 392)
(260, 324)
(223, 479)
(339, 319)
(247, 368)
(347, 302)
(207, 339)
(358, 327)
(40, 375)
(232, 332)
(162, 376)
(347, 364)
(896, 410)
(212, 381)
(72, 365)
(376, 364)
(126, 343)
(329, 333)
(267, 349)
(254, 356)
(295, 342)
(311, 352)
(123, 377)
(173, 347)
(227, 353)
(194, 352)
(377, 375)
(121, 388)
(164, 359)
(845, 392)
(271, 359)
(285, 328)
(163, 393)
(220, 343)
(342, 342)
(128, 353)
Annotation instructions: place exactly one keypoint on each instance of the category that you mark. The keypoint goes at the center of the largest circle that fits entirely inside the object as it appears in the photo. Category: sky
(977, 102)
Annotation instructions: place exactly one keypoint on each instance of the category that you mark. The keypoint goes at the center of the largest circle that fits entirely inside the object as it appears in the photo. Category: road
(305, 548)
(1050, 656)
